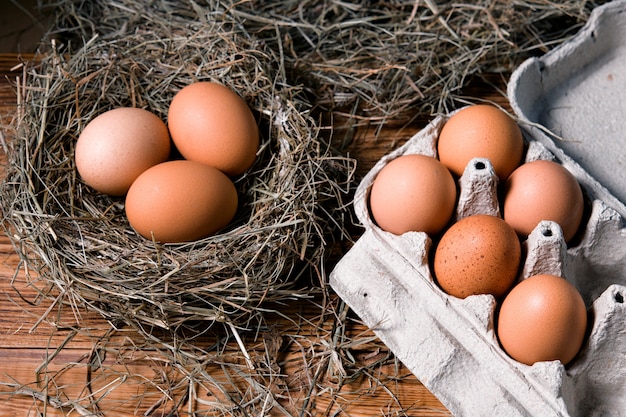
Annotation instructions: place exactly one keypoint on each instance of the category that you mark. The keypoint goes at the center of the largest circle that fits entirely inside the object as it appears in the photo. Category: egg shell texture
(210, 123)
(543, 318)
(543, 190)
(413, 193)
(481, 131)
(118, 145)
(181, 201)
(479, 254)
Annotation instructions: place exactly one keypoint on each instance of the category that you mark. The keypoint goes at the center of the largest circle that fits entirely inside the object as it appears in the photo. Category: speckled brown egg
(543, 190)
(210, 123)
(118, 145)
(479, 254)
(543, 318)
(413, 193)
(180, 201)
(481, 131)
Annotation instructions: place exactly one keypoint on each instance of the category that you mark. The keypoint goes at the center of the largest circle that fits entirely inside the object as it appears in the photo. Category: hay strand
(301, 66)
(395, 60)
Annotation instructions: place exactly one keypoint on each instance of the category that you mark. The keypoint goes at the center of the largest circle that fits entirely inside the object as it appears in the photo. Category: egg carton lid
(572, 100)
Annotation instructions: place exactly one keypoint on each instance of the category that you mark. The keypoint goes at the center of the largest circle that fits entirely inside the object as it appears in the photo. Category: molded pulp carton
(570, 110)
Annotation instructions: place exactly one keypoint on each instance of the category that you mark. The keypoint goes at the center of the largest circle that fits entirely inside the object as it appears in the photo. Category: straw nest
(80, 240)
(294, 62)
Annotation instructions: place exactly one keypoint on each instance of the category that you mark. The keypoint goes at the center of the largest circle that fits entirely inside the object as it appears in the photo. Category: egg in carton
(449, 343)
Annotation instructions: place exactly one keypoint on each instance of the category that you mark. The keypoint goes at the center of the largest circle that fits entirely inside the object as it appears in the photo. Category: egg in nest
(117, 146)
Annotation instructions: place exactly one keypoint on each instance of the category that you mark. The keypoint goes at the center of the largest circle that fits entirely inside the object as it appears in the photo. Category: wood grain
(72, 363)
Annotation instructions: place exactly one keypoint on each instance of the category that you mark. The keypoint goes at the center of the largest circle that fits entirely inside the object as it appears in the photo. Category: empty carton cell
(597, 375)
(599, 260)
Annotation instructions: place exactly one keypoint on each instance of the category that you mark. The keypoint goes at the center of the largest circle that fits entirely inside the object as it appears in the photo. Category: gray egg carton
(449, 343)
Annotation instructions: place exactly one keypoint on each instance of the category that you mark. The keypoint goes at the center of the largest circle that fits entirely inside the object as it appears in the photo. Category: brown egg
(180, 201)
(479, 254)
(481, 131)
(210, 123)
(118, 145)
(413, 193)
(543, 190)
(543, 318)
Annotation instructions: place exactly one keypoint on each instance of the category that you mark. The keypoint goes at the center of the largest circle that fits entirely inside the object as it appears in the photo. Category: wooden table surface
(47, 366)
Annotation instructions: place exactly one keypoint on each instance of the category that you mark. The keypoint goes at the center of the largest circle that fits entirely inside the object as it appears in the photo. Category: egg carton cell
(450, 344)
(570, 108)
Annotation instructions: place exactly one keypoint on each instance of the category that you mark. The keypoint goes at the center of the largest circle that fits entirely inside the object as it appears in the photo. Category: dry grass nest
(295, 62)
(291, 200)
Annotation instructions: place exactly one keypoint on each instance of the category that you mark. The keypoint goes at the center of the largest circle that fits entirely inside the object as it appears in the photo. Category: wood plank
(64, 365)
(140, 385)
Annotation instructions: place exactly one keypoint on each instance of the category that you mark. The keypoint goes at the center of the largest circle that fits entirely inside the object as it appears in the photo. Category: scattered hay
(294, 62)
(384, 62)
